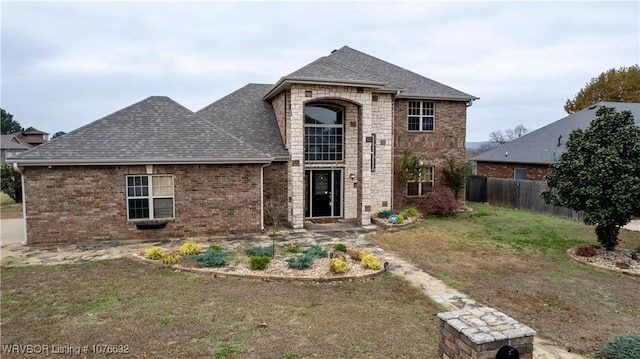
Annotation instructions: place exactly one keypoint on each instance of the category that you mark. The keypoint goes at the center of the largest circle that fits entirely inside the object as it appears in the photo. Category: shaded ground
(159, 313)
(515, 261)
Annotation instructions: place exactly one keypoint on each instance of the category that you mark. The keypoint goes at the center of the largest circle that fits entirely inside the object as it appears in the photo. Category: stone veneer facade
(505, 170)
(370, 191)
(89, 202)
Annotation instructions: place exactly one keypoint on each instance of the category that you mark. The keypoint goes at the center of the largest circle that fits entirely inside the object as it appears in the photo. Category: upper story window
(422, 116)
(150, 197)
(323, 133)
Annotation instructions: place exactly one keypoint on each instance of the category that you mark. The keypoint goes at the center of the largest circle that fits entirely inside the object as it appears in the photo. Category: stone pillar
(479, 333)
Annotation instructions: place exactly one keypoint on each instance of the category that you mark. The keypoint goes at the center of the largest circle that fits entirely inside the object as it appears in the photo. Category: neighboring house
(323, 140)
(530, 156)
(31, 138)
(10, 147)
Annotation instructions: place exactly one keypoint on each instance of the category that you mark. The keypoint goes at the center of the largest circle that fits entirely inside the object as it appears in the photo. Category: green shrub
(338, 266)
(621, 347)
(212, 258)
(171, 258)
(340, 247)
(386, 213)
(400, 219)
(154, 253)
(259, 262)
(189, 247)
(370, 261)
(411, 213)
(294, 248)
(259, 251)
(216, 248)
(315, 251)
(299, 262)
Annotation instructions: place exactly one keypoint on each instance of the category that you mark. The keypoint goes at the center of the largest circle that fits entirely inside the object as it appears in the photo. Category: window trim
(150, 197)
(420, 181)
(421, 116)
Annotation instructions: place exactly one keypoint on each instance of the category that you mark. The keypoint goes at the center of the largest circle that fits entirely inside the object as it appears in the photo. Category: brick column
(479, 333)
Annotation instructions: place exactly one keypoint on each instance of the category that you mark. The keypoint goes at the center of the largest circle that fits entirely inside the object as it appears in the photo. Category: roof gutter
(450, 98)
(139, 161)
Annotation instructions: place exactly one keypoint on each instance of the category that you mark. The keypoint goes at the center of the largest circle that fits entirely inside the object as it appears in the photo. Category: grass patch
(515, 261)
(160, 313)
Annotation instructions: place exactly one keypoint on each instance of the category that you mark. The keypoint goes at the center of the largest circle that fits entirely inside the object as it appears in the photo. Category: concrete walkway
(352, 237)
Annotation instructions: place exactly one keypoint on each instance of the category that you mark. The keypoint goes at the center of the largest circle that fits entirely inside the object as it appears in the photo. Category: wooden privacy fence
(519, 194)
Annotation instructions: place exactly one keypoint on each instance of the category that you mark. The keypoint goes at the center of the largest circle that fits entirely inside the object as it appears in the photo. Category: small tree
(600, 174)
(11, 182)
(411, 169)
(455, 176)
(276, 210)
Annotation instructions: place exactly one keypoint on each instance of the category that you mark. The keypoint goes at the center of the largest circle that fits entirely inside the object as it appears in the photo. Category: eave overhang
(142, 161)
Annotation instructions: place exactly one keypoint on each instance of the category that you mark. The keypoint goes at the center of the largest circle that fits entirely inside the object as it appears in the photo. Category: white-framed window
(422, 116)
(150, 197)
(423, 185)
(520, 173)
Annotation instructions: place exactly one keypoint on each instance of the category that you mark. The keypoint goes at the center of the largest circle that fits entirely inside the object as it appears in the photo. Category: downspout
(24, 207)
(262, 195)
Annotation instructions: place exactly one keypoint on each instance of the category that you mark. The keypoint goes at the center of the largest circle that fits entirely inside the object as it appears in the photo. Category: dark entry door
(323, 193)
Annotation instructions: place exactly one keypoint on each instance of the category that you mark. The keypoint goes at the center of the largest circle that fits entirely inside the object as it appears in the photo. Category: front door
(323, 195)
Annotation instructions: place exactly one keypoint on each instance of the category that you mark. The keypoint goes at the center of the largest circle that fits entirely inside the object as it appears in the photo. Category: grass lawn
(515, 261)
(159, 313)
(9, 208)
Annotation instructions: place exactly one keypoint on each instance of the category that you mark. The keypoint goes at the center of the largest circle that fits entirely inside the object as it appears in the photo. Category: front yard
(511, 260)
(159, 313)
(515, 261)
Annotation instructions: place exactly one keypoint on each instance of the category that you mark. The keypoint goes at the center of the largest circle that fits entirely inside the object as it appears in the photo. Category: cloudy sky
(66, 64)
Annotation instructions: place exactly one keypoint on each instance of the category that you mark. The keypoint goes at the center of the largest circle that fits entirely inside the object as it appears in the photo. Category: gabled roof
(245, 114)
(9, 142)
(156, 130)
(349, 66)
(545, 145)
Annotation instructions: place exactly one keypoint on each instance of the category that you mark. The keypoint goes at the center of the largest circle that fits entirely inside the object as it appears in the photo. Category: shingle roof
(545, 145)
(9, 142)
(347, 64)
(154, 130)
(249, 117)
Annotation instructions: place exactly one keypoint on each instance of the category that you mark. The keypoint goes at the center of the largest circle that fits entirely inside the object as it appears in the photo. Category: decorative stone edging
(579, 259)
(384, 223)
(222, 274)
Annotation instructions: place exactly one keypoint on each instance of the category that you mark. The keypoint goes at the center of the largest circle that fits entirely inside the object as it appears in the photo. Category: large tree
(616, 85)
(600, 174)
(11, 182)
(9, 125)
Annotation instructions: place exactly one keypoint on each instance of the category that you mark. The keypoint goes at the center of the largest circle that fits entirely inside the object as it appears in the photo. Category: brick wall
(83, 203)
(506, 170)
(275, 186)
(447, 141)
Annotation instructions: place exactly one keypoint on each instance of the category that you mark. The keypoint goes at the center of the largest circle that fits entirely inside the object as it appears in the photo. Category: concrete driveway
(11, 231)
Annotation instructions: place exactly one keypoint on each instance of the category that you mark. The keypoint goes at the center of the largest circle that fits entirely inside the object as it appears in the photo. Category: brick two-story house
(323, 139)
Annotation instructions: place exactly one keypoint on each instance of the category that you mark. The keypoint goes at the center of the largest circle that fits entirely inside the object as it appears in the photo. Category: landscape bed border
(257, 276)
